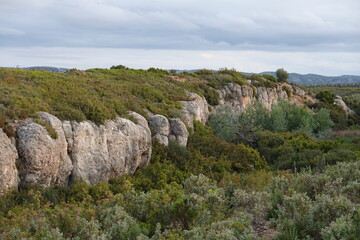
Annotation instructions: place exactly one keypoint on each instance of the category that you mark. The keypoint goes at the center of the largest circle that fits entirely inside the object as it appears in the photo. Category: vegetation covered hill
(277, 174)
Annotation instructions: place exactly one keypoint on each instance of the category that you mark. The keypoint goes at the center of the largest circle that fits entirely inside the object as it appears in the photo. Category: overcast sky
(307, 36)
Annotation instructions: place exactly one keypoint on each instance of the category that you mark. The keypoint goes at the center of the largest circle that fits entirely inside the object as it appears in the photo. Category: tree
(118, 67)
(282, 75)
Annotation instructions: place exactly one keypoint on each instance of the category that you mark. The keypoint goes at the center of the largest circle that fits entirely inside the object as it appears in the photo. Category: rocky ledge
(49, 152)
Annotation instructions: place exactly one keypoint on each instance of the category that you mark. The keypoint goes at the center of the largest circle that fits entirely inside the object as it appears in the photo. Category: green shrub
(199, 185)
(119, 225)
(270, 77)
(343, 228)
(204, 72)
(326, 97)
(100, 191)
(327, 209)
(79, 192)
(287, 90)
(48, 127)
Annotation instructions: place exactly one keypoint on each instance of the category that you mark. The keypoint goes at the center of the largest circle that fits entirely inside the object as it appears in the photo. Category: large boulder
(44, 158)
(118, 147)
(8, 173)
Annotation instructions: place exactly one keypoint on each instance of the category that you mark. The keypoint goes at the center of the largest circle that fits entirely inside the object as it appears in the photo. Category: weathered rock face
(298, 91)
(164, 130)
(8, 173)
(178, 132)
(195, 109)
(101, 152)
(45, 159)
(160, 128)
(340, 102)
(238, 98)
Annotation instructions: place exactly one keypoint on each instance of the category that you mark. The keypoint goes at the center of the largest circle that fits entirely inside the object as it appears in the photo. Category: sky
(307, 36)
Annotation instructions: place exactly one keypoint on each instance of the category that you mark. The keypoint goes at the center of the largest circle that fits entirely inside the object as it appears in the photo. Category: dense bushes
(350, 95)
(283, 117)
(199, 157)
(308, 205)
(282, 136)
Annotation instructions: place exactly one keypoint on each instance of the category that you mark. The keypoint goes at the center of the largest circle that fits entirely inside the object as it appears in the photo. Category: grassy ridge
(95, 94)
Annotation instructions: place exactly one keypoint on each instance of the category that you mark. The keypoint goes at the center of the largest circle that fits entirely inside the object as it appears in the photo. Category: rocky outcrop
(340, 102)
(195, 109)
(238, 97)
(45, 160)
(118, 147)
(164, 130)
(80, 151)
(8, 173)
(85, 151)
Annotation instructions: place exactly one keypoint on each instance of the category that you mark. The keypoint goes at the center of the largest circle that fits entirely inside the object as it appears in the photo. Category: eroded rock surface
(160, 128)
(178, 132)
(164, 131)
(9, 178)
(238, 98)
(45, 160)
(118, 147)
(195, 109)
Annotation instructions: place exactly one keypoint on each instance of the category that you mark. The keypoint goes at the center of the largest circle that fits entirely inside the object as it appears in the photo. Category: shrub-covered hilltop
(152, 154)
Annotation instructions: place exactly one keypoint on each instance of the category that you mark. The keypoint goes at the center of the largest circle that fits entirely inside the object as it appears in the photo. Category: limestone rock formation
(164, 130)
(238, 97)
(118, 147)
(160, 128)
(45, 159)
(8, 173)
(195, 109)
(178, 132)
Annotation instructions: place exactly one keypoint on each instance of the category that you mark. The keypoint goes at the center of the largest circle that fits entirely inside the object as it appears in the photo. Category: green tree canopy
(282, 75)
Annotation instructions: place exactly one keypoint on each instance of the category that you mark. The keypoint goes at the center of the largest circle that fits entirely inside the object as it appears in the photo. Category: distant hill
(46, 68)
(306, 79)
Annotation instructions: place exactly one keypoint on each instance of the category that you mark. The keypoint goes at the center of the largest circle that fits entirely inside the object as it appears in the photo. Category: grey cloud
(249, 35)
(182, 24)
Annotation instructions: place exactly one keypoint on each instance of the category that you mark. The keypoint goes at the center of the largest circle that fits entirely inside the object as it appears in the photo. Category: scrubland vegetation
(260, 175)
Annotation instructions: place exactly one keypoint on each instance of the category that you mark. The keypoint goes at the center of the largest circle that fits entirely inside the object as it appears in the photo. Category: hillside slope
(99, 124)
